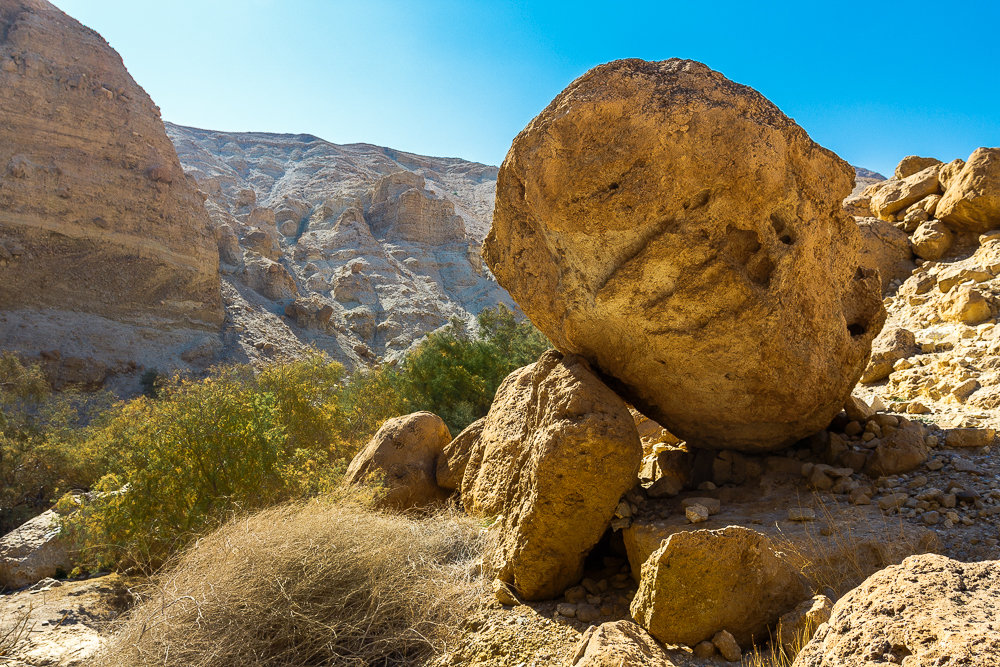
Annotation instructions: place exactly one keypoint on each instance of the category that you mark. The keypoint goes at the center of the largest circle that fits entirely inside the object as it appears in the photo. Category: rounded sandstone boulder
(401, 461)
(686, 237)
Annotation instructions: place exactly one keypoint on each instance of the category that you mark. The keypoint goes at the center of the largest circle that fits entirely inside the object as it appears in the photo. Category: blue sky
(872, 81)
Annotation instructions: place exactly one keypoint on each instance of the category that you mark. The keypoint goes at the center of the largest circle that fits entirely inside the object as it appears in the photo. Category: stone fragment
(893, 344)
(581, 240)
(900, 452)
(970, 437)
(557, 451)
(928, 610)
(713, 505)
(696, 513)
(705, 649)
(726, 643)
(965, 304)
(972, 200)
(797, 627)
(619, 643)
(703, 581)
(503, 594)
(400, 460)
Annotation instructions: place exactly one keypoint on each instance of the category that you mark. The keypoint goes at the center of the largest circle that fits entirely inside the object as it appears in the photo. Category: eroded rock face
(91, 191)
(401, 459)
(677, 230)
(928, 610)
(556, 452)
(703, 581)
(886, 248)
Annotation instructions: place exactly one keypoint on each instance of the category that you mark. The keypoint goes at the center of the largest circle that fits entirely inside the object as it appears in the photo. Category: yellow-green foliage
(179, 464)
(39, 438)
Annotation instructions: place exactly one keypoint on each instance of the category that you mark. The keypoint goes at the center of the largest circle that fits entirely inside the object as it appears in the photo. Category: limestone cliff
(357, 249)
(105, 247)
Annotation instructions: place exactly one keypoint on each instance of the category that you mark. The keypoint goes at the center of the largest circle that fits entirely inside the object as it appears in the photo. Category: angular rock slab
(401, 458)
(556, 452)
(703, 581)
(686, 237)
(33, 551)
(620, 643)
(928, 610)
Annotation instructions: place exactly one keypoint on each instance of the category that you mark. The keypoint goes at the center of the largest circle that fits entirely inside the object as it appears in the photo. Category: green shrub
(177, 465)
(455, 373)
(39, 441)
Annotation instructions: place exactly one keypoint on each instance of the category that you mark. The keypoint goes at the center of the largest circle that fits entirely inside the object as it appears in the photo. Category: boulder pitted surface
(928, 610)
(401, 458)
(91, 190)
(703, 581)
(686, 237)
(555, 454)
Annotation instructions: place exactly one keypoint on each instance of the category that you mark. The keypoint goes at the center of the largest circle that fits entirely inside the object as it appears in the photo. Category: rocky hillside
(357, 249)
(106, 258)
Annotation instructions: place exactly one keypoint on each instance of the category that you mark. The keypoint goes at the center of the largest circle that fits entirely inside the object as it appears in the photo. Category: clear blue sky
(873, 81)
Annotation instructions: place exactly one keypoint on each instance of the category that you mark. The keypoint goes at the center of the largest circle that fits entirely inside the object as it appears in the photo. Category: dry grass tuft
(317, 583)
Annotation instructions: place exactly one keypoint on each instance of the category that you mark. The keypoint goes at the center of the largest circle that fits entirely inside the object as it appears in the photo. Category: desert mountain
(106, 258)
(357, 249)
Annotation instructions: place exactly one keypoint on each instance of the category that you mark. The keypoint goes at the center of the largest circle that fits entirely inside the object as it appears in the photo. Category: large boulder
(401, 459)
(972, 201)
(556, 452)
(702, 581)
(34, 551)
(677, 230)
(928, 610)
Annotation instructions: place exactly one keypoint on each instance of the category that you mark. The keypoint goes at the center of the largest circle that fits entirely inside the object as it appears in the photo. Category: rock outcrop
(704, 581)
(929, 610)
(677, 230)
(107, 252)
(386, 242)
(34, 551)
(555, 454)
(400, 461)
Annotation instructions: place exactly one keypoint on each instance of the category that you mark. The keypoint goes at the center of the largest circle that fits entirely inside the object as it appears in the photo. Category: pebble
(705, 649)
(726, 643)
(696, 513)
(801, 514)
(587, 613)
(931, 518)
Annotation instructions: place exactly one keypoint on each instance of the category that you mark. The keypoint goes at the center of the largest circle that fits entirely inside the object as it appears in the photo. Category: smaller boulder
(965, 304)
(619, 643)
(902, 451)
(33, 551)
(911, 164)
(310, 312)
(401, 459)
(797, 627)
(931, 240)
(897, 194)
(891, 345)
(702, 581)
(972, 200)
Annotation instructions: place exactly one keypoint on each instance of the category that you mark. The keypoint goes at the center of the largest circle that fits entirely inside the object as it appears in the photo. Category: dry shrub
(317, 583)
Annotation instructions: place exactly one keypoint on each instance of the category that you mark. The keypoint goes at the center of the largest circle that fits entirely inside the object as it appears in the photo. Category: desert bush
(313, 583)
(455, 372)
(39, 441)
(177, 465)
